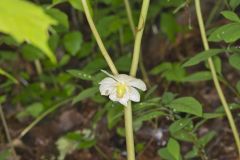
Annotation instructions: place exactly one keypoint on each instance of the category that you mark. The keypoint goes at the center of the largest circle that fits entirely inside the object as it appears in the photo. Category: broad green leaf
(30, 52)
(173, 148)
(234, 61)
(165, 154)
(61, 17)
(72, 42)
(4, 73)
(191, 154)
(35, 109)
(179, 125)
(87, 93)
(161, 68)
(187, 105)
(202, 56)
(199, 76)
(204, 140)
(228, 33)
(124, 63)
(80, 74)
(26, 22)
(230, 15)
(234, 3)
(113, 24)
(169, 25)
(148, 116)
(95, 65)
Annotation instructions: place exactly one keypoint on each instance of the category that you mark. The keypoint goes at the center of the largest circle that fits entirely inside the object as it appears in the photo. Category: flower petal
(106, 89)
(124, 100)
(138, 83)
(109, 81)
(134, 94)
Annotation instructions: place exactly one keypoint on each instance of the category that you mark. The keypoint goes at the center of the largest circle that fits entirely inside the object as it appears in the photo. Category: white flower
(121, 88)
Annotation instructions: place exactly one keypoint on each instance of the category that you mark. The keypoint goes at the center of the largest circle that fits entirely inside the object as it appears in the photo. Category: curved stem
(5, 126)
(38, 119)
(98, 39)
(138, 37)
(132, 25)
(215, 78)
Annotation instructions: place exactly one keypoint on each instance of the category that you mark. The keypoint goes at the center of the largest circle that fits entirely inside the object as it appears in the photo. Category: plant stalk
(215, 78)
(98, 38)
(138, 37)
(132, 26)
(4, 122)
(43, 115)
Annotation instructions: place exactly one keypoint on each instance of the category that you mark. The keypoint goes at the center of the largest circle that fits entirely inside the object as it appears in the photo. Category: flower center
(121, 90)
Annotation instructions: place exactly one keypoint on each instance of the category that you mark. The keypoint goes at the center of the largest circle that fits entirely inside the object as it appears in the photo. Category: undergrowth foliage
(52, 54)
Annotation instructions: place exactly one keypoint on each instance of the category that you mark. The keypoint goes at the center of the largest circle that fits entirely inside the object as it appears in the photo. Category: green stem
(132, 25)
(133, 71)
(4, 122)
(130, 17)
(98, 38)
(214, 75)
(129, 132)
(39, 71)
(138, 37)
(38, 119)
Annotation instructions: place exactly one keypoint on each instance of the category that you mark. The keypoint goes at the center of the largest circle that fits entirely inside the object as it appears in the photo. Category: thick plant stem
(98, 39)
(133, 71)
(132, 26)
(129, 132)
(138, 37)
(4, 122)
(215, 78)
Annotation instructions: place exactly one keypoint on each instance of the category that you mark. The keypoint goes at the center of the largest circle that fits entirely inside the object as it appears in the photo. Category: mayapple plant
(120, 87)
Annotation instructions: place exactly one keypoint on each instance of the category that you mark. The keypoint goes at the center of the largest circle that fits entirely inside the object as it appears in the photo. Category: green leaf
(228, 33)
(35, 109)
(87, 93)
(169, 25)
(199, 76)
(148, 116)
(61, 17)
(204, 140)
(230, 15)
(234, 3)
(234, 61)
(26, 22)
(202, 56)
(161, 68)
(165, 154)
(187, 105)
(179, 125)
(80, 74)
(173, 148)
(31, 53)
(124, 63)
(114, 114)
(4, 73)
(72, 42)
(113, 24)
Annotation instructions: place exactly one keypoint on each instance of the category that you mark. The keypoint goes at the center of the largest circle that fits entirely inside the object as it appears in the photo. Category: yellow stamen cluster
(121, 90)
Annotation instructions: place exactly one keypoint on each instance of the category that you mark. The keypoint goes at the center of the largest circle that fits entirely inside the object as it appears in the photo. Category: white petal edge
(106, 89)
(109, 81)
(134, 94)
(138, 83)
